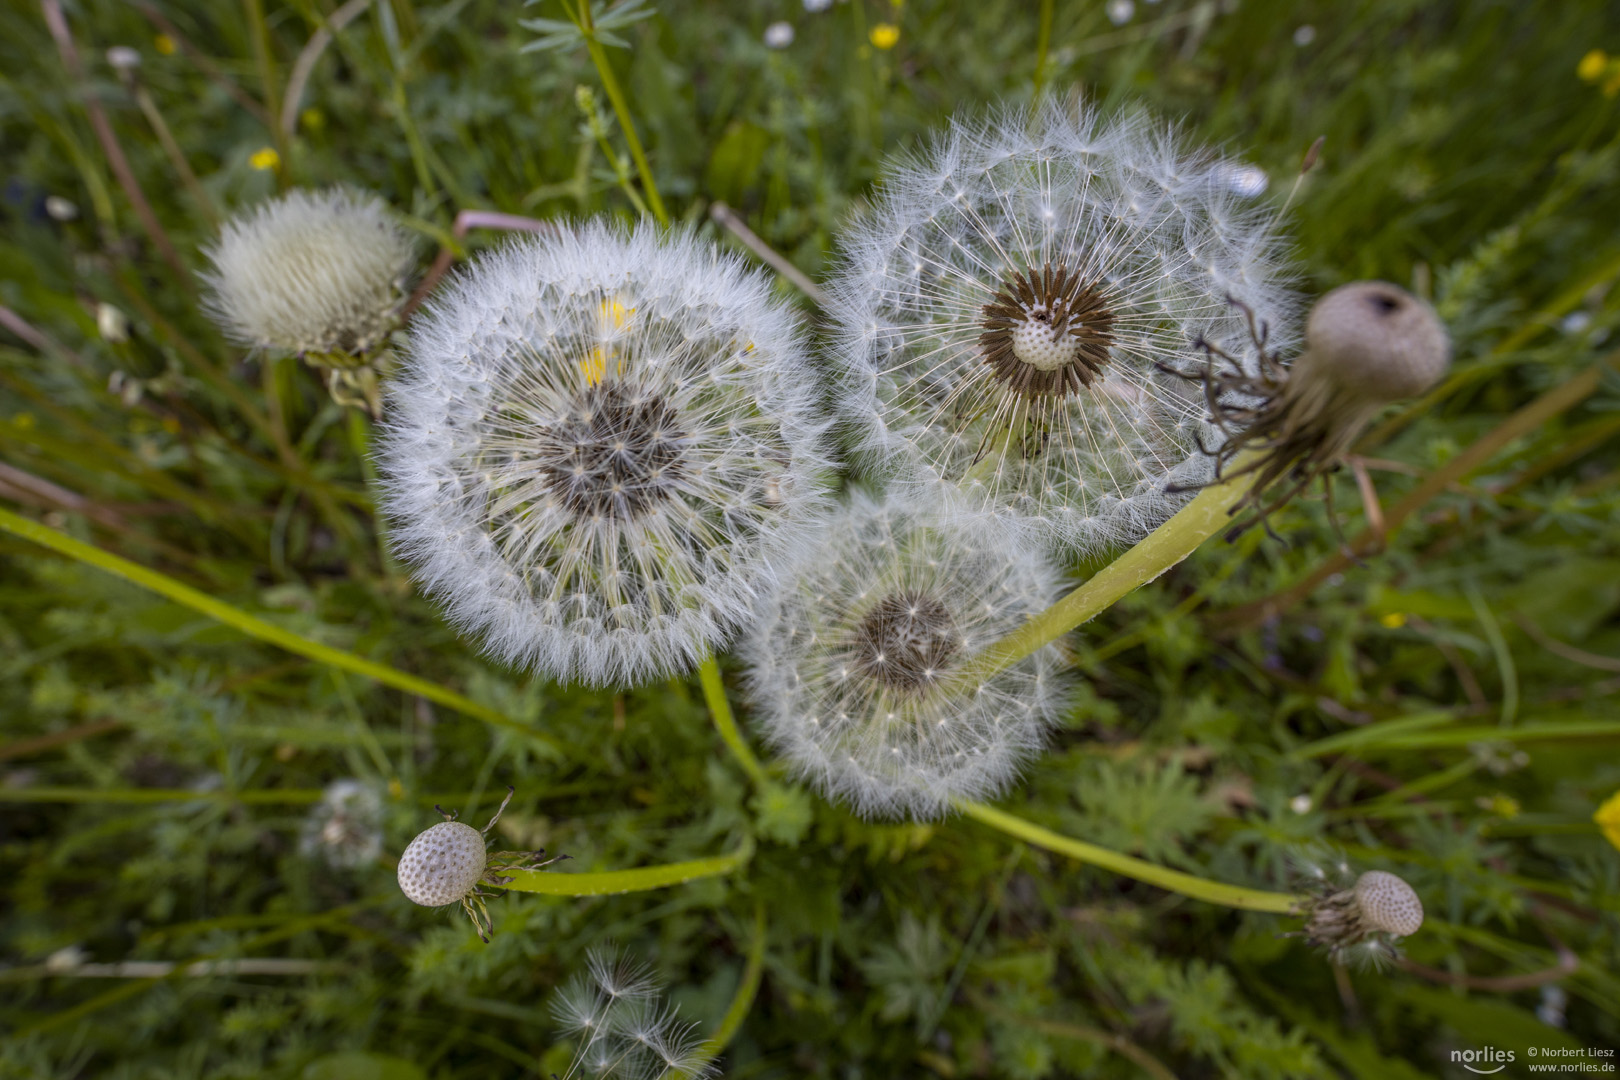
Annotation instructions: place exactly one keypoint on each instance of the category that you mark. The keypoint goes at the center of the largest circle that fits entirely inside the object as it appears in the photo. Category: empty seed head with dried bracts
(854, 666)
(1362, 922)
(1367, 344)
(596, 443)
(449, 862)
(1002, 311)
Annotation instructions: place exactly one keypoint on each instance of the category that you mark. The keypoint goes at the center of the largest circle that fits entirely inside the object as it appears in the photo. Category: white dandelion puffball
(1003, 308)
(443, 865)
(596, 443)
(852, 667)
(344, 829)
(311, 272)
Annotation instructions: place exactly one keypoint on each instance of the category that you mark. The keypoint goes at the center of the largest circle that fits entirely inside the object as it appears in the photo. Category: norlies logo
(1476, 1060)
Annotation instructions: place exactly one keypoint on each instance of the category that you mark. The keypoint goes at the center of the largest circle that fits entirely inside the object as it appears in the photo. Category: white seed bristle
(443, 864)
(1388, 904)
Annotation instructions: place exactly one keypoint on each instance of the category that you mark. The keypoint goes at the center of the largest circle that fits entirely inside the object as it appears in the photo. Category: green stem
(714, 694)
(621, 109)
(1043, 43)
(626, 881)
(254, 627)
(1161, 549)
(1214, 892)
(747, 990)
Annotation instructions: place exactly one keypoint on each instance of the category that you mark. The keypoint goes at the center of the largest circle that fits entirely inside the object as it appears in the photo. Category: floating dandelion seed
(853, 665)
(625, 1030)
(321, 274)
(596, 443)
(1002, 309)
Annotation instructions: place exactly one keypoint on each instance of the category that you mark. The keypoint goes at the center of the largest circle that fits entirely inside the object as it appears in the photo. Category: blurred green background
(159, 771)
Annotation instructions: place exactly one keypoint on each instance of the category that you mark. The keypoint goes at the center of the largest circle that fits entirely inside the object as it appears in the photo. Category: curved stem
(237, 619)
(747, 990)
(1161, 549)
(714, 693)
(1213, 892)
(640, 879)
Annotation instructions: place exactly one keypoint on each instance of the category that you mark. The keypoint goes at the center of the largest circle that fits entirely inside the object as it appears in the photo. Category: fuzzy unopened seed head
(1388, 904)
(597, 442)
(317, 273)
(1373, 342)
(853, 667)
(1004, 309)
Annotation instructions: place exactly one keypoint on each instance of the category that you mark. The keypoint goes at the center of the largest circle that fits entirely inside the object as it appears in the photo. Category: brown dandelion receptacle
(615, 453)
(906, 642)
(1047, 332)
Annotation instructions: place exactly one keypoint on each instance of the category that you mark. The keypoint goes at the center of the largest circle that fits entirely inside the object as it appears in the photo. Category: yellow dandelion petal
(1608, 819)
(1611, 85)
(594, 366)
(1394, 620)
(164, 44)
(885, 35)
(1591, 65)
(266, 158)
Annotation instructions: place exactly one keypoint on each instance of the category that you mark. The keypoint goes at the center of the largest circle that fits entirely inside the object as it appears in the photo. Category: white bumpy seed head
(1388, 904)
(317, 273)
(856, 667)
(597, 442)
(447, 863)
(1006, 311)
(443, 865)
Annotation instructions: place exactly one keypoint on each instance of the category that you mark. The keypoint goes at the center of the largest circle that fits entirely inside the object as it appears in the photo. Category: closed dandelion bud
(597, 442)
(1362, 921)
(449, 862)
(853, 667)
(1375, 342)
(1008, 307)
(318, 273)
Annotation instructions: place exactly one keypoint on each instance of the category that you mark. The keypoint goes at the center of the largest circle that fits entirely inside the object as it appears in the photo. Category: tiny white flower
(779, 35)
(1120, 11)
(1304, 35)
(596, 443)
(318, 273)
(853, 667)
(1006, 311)
(816, 6)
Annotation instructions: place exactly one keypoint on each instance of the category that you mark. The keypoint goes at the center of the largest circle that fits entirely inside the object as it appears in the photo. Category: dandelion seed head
(344, 829)
(311, 272)
(1006, 304)
(596, 443)
(853, 666)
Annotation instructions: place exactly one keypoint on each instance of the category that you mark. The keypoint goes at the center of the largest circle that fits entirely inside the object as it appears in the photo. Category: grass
(1442, 705)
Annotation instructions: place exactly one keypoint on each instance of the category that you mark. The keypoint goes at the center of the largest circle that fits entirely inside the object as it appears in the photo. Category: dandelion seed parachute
(852, 666)
(597, 443)
(1004, 307)
(318, 273)
(625, 1030)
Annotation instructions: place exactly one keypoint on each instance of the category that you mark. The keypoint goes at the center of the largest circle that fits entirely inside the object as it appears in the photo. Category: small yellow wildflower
(884, 35)
(1591, 66)
(1499, 805)
(312, 118)
(396, 790)
(265, 158)
(164, 44)
(1608, 819)
(1394, 620)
